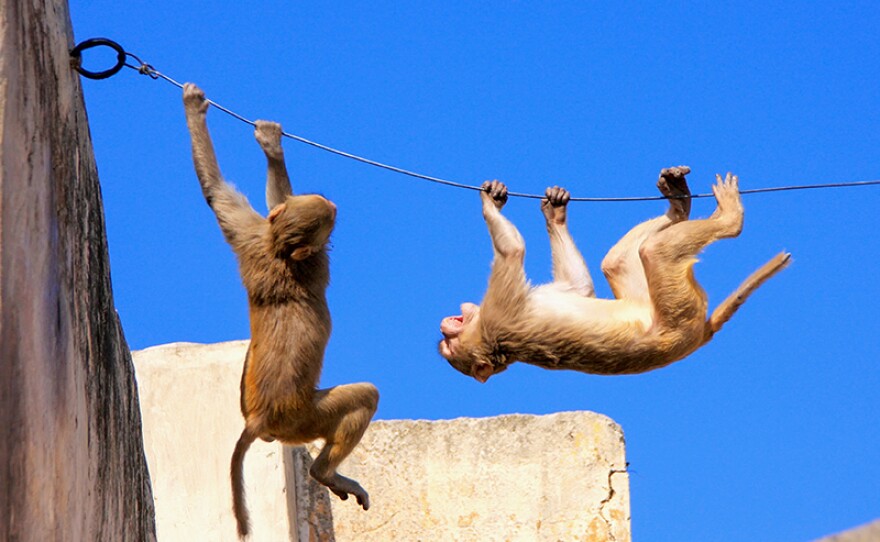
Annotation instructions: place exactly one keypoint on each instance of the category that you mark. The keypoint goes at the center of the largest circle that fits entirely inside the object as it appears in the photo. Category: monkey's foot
(554, 203)
(268, 135)
(673, 185)
(730, 207)
(342, 487)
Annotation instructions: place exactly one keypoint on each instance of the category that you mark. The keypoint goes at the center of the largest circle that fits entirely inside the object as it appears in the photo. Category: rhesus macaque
(659, 312)
(285, 269)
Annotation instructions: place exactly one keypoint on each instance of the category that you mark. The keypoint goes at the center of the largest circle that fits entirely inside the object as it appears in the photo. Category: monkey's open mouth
(451, 325)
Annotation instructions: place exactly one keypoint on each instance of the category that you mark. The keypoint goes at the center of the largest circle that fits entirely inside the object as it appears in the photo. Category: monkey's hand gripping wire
(143, 68)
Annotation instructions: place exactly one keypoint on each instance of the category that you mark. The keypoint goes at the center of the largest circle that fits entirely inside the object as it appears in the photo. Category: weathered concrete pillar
(72, 465)
(508, 478)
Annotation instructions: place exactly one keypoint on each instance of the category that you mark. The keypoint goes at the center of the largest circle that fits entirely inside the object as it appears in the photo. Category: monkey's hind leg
(622, 266)
(343, 414)
(668, 257)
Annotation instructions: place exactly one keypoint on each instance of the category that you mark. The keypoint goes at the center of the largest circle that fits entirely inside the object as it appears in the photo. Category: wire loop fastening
(76, 58)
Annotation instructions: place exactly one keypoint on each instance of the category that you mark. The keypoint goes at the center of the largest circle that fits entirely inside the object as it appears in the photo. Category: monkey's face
(301, 226)
(461, 334)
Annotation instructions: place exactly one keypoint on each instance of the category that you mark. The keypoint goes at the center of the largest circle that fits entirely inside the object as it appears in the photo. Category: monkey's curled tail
(725, 310)
(239, 506)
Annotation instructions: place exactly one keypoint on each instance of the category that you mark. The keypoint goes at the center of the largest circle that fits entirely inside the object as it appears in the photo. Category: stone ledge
(514, 477)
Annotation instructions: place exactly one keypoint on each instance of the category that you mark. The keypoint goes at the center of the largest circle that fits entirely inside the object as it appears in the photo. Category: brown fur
(658, 316)
(285, 269)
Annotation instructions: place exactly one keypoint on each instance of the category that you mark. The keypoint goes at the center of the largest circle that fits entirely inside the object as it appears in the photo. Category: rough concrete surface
(516, 477)
(72, 465)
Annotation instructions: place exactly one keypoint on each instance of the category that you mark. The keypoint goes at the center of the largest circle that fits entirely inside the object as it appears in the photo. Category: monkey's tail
(725, 310)
(239, 506)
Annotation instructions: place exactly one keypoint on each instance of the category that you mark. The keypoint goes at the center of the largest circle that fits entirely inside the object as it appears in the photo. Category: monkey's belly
(564, 330)
(613, 348)
(563, 307)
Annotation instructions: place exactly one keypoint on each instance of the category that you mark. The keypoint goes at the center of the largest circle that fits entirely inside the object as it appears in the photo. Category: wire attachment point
(146, 69)
(76, 58)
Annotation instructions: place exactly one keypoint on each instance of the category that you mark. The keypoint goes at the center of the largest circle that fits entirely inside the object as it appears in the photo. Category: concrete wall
(189, 403)
(513, 477)
(516, 477)
(73, 466)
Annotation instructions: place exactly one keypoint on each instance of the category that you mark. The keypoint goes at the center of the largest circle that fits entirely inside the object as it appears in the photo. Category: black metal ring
(76, 54)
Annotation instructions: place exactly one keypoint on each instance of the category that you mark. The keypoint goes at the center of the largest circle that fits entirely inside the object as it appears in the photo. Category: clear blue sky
(768, 433)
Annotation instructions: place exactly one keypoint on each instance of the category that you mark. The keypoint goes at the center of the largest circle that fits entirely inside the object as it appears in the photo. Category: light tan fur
(285, 269)
(658, 316)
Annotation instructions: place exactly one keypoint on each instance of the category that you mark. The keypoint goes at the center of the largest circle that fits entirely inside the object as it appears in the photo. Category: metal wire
(145, 69)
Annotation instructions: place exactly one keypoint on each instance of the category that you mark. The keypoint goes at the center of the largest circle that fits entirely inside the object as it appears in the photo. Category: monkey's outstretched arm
(506, 239)
(569, 268)
(507, 282)
(278, 187)
(238, 220)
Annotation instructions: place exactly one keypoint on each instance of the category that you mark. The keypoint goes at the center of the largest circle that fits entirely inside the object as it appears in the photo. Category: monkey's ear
(301, 253)
(482, 370)
(277, 210)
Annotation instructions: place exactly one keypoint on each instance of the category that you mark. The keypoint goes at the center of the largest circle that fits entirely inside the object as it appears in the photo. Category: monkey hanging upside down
(659, 312)
(285, 269)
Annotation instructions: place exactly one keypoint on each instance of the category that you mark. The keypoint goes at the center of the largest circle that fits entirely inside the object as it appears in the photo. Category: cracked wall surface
(508, 478)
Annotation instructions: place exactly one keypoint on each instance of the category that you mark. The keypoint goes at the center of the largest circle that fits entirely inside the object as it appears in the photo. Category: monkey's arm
(238, 220)
(569, 268)
(278, 187)
(507, 282)
(506, 239)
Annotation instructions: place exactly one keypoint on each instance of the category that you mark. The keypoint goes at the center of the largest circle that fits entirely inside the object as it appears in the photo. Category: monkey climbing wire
(146, 69)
